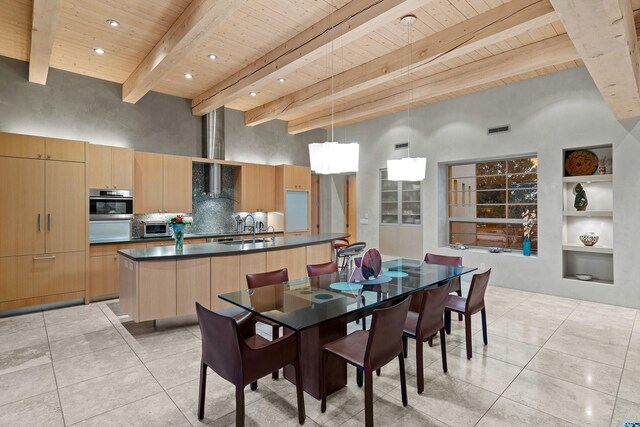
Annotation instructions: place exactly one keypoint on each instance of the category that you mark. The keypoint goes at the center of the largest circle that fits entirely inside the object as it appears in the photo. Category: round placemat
(378, 280)
(323, 296)
(581, 162)
(394, 273)
(346, 286)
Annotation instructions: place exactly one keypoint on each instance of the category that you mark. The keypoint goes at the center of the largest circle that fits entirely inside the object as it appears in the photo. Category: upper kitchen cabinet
(37, 147)
(110, 167)
(296, 177)
(255, 188)
(162, 183)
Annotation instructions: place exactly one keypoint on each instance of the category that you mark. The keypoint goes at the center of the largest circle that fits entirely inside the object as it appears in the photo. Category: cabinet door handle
(44, 257)
(39, 222)
(49, 156)
(39, 156)
(48, 222)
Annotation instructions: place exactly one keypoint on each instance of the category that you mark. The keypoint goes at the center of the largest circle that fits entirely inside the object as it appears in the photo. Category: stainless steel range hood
(213, 148)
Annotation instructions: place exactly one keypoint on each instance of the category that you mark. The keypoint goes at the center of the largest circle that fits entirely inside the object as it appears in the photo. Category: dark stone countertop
(186, 236)
(219, 249)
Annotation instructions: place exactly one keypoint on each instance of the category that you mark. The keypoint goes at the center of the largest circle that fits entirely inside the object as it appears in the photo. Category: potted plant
(528, 222)
(177, 223)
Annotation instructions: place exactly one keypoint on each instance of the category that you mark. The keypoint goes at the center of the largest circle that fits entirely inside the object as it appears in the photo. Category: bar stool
(349, 251)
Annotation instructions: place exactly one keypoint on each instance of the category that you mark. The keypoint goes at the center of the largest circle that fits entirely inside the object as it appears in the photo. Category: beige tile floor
(550, 362)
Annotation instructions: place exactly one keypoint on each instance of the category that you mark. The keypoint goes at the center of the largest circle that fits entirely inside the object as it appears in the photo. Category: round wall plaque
(581, 162)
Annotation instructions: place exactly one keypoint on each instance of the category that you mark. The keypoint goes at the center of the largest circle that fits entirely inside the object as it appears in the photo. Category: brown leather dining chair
(233, 350)
(453, 261)
(425, 324)
(473, 303)
(370, 350)
(319, 269)
(259, 280)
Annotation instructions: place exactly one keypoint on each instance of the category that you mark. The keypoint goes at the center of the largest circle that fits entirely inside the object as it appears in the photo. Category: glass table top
(302, 303)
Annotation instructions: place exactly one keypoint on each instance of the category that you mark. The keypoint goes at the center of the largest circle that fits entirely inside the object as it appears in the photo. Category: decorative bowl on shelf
(589, 239)
(585, 277)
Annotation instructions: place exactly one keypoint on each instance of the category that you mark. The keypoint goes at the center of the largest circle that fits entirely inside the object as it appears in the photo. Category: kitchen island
(160, 282)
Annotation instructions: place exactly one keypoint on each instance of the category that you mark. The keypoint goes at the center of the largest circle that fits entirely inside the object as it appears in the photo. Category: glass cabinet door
(410, 202)
(388, 199)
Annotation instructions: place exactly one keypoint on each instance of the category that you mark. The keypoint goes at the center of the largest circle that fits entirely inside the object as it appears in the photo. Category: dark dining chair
(425, 324)
(319, 269)
(453, 261)
(371, 350)
(473, 303)
(259, 280)
(233, 350)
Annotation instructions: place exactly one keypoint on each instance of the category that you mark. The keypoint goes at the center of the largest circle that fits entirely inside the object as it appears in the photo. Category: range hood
(213, 148)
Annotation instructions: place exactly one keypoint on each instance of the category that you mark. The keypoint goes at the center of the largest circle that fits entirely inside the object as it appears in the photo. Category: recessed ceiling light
(113, 23)
(99, 51)
(212, 57)
(253, 93)
(282, 80)
(188, 76)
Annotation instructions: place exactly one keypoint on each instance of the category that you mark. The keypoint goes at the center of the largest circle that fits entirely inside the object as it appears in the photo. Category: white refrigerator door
(297, 211)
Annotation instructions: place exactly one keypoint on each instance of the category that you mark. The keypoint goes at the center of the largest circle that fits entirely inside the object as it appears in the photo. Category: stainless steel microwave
(110, 204)
(155, 229)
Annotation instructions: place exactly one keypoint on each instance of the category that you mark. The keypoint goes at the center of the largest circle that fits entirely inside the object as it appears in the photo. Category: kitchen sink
(239, 242)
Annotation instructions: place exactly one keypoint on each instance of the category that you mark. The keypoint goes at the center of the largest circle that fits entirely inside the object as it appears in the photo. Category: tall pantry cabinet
(44, 204)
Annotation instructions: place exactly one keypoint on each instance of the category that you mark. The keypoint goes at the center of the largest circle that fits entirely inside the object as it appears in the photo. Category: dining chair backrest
(257, 280)
(431, 317)
(221, 348)
(455, 261)
(475, 298)
(319, 269)
(385, 335)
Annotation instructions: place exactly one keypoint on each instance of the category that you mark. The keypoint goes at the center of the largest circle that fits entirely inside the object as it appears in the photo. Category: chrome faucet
(273, 234)
(253, 228)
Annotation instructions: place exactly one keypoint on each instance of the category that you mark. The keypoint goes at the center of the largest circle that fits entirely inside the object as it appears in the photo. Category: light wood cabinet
(65, 207)
(110, 167)
(294, 260)
(65, 150)
(156, 290)
(255, 187)
(296, 177)
(24, 197)
(103, 277)
(177, 178)
(319, 254)
(225, 277)
(162, 183)
(38, 147)
(251, 263)
(193, 285)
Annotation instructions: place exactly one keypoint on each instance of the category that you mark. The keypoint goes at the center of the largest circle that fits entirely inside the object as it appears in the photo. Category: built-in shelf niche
(596, 260)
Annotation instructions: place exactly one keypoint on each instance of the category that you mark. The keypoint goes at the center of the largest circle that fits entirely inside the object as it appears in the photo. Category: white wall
(547, 114)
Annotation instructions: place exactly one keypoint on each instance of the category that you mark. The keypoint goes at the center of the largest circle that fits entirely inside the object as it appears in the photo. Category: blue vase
(178, 235)
(526, 247)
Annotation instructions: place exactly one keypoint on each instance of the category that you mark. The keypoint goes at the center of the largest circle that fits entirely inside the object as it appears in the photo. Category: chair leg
(368, 398)
(203, 388)
(467, 333)
(300, 393)
(359, 377)
(447, 321)
(275, 334)
(323, 382)
(483, 312)
(364, 318)
(459, 292)
(443, 349)
(378, 371)
(403, 381)
(254, 386)
(405, 346)
(239, 406)
(419, 365)
(430, 341)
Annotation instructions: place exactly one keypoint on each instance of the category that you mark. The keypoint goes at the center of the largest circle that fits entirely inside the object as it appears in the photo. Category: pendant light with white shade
(408, 168)
(331, 157)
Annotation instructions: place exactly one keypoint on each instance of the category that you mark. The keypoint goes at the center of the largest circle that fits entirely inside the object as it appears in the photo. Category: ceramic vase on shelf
(178, 235)
(526, 246)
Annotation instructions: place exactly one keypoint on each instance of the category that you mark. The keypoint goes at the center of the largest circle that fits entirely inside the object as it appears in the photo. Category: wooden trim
(604, 34)
(198, 20)
(493, 26)
(552, 51)
(215, 161)
(352, 21)
(43, 32)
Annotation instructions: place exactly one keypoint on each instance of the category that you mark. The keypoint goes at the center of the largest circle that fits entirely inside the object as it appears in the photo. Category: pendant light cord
(333, 101)
(410, 92)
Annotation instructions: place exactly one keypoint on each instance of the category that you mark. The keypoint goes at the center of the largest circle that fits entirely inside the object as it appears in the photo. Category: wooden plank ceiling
(347, 56)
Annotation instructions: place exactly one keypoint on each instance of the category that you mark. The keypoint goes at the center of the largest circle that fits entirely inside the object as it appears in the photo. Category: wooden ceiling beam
(352, 21)
(604, 34)
(545, 53)
(43, 32)
(488, 28)
(200, 18)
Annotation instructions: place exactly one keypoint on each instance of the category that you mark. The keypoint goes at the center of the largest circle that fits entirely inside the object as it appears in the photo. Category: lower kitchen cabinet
(319, 254)
(292, 259)
(39, 279)
(193, 285)
(225, 277)
(103, 276)
(156, 290)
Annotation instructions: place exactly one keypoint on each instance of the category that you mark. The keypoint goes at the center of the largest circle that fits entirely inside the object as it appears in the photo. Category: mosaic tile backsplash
(210, 215)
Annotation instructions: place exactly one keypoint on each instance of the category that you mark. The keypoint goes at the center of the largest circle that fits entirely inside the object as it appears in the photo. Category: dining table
(319, 308)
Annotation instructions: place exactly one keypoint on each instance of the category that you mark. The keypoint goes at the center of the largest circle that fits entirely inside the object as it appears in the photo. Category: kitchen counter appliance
(110, 205)
(155, 229)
